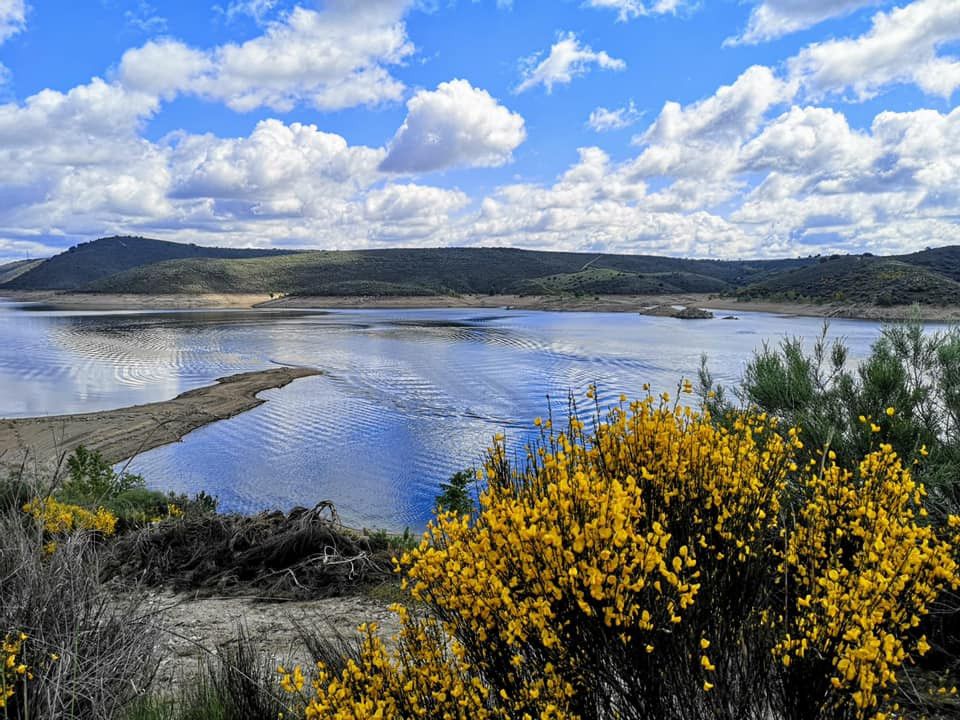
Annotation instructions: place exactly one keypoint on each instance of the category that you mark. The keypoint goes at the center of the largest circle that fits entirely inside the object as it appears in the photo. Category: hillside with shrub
(863, 279)
(144, 266)
(86, 263)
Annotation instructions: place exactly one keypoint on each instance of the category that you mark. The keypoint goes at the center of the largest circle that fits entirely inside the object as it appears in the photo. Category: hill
(86, 263)
(863, 279)
(442, 271)
(154, 267)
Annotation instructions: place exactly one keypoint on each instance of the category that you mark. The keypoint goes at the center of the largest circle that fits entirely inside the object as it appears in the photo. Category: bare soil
(193, 629)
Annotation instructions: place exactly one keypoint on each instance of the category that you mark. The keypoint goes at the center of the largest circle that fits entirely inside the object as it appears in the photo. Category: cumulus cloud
(602, 120)
(701, 141)
(13, 17)
(331, 59)
(455, 125)
(278, 167)
(567, 59)
(902, 46)
(771, 19)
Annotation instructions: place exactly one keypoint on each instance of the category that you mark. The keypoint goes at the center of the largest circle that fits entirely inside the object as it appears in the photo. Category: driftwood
(303, 554)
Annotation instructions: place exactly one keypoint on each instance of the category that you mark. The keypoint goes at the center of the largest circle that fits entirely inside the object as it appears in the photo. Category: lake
(408, 396)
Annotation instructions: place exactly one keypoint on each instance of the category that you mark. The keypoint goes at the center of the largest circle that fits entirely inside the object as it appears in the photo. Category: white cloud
(701, 141)
(277, 165)
(603, 120)
(13, 18)
(567, 59)
(164, 67)
(902, 46)
(810, 141)
(771, 19)
(631, 9)
(331, 59)
(455, 125)
(144, 17)
(259, 10)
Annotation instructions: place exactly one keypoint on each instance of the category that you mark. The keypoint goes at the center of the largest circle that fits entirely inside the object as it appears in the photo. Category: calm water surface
(409, 396)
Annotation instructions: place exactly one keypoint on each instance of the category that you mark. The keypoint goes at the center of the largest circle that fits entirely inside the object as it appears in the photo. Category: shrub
(662, 566)
(915, 372)
(455, 493)
(93, 480)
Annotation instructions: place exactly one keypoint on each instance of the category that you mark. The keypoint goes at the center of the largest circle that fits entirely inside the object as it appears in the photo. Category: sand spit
(123, 433)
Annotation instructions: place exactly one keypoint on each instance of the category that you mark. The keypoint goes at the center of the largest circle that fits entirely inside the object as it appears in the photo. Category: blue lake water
(408, 396)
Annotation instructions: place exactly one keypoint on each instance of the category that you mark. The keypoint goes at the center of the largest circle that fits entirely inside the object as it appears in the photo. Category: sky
(691, 128)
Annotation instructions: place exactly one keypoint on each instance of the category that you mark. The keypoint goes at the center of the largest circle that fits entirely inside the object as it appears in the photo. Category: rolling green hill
(862, 279)
(442, 271)
(140, 265)
(84, 264)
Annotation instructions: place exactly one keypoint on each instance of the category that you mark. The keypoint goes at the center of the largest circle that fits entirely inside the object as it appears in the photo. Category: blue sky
(715, 128)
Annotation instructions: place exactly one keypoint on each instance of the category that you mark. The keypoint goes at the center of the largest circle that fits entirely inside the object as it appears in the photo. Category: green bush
(906, 393)
(455, 495)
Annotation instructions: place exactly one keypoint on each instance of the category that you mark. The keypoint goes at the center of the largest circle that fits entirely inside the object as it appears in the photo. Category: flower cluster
(13, 670)
(60, 518)
(861, 572)
(425, 676)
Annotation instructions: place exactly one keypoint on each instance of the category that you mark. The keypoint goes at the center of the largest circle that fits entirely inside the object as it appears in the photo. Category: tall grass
(89, 653)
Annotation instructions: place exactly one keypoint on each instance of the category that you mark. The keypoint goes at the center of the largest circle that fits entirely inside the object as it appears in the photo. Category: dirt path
(123, 433)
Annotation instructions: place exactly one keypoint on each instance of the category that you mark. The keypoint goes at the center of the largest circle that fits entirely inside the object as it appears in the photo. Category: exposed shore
(120, 434)
(561, 303)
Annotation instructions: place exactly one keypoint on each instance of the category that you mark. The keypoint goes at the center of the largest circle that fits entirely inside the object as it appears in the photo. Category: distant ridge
(154, 267)
(84, 264)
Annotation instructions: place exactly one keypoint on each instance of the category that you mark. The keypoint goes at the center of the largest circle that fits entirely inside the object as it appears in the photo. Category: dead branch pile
(301, 555)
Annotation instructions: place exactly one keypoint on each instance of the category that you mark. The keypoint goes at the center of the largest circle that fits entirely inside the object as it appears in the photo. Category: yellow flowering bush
(424, 676)
(617, 558)
(13, 671)
(660, 565)
(60, 518)
(860, 571)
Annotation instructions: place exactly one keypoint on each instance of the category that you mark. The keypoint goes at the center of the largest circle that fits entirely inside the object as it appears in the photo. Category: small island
(682, 313)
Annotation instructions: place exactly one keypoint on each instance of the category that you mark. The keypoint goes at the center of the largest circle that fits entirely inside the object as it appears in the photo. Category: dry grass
(90, 654)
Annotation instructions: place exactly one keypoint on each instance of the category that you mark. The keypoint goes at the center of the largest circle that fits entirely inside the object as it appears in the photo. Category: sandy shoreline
(564, 303)
(560, 303)
(120, 434)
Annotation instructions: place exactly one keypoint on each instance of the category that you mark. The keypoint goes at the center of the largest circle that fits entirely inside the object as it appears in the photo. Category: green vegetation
(91, 482)
(455, 494)
(863, 280)
(916, 373)
(599, 280)
(86, 263)
(140, 265)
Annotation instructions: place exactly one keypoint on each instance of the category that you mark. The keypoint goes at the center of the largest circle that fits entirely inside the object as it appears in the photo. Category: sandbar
(41, 443)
